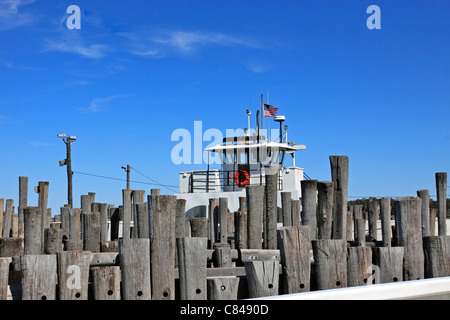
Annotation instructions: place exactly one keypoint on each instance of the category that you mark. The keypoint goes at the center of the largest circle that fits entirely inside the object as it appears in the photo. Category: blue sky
(138, 70)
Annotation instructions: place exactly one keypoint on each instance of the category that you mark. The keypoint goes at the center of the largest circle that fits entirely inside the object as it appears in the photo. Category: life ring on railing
(241, 178)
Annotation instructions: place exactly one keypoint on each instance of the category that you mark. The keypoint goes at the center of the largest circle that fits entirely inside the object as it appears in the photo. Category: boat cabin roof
(281, 146)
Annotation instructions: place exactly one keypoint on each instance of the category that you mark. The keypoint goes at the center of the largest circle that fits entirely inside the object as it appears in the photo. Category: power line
(156, 182)
(118, 179)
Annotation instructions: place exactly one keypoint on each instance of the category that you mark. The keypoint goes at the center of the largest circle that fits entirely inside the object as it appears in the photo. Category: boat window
(262, 155)
(274, 154)
(282, 154)
(242, 156)
(228, 157)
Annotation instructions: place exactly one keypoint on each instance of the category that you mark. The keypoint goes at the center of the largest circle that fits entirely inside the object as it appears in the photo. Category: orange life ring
(241, 178)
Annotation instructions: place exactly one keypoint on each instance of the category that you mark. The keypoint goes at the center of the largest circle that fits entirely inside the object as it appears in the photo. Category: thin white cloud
(101, 104)
(10, 15)
(188, 41)
(93, 51)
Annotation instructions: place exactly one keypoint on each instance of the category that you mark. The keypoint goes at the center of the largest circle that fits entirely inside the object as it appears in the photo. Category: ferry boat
(244, 161)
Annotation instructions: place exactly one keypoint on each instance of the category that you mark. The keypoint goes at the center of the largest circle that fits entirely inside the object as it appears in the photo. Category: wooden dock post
(192, 262)
(134, 256)
(199, 227)
(295, 248)
(223, 220)
(255, 202)
(103, 211)
(296, 209)
(286, 209)
(424, 195)
(390, 263)
(91, 234)
(162, 235)
(240, 226)
(73, 274)
(127, 211)
(437, 256)
(385, 217)
(106, 282)
(23, 203)
(7, 220)
(32, 228)
(359, 263)
(262, 278)
(4, 276)
(39, 277)
(339, 175)
(53, 240)
(330, 260)
(222, 288)
(270, 211)
(373, 208)
(213, 216)
(309, 206)
(11, 247)
(43, 187)
(141, 221)
(325, 198)
(441, 191)
(408, 215)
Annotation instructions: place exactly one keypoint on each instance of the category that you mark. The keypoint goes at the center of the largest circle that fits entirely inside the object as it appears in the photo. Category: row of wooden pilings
(313, 243)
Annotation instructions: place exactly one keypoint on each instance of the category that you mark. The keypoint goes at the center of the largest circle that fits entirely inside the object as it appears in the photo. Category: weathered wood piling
(147, 250)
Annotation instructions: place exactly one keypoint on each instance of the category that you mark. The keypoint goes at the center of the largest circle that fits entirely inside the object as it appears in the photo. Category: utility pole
(127, 169)
(68, 162)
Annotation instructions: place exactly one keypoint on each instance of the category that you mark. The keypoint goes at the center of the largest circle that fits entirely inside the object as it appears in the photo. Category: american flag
(269, 111)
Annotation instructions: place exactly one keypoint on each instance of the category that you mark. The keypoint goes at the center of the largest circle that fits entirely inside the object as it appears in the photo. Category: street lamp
(68, 162)
(127, 169)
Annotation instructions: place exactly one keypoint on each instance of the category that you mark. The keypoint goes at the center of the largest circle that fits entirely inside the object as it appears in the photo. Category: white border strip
(436, 288)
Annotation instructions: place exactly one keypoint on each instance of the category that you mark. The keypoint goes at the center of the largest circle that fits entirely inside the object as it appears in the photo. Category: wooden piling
(255, 202)
(73, 274)
(286, 208)
(390, 263)
(103, 211)
(240, 226)
(142, 220)
(325, 198)
(2, 212)
(262, 278)
(53, 240)
(43, 187)
(213, 216)
(23, 203)
(437, 256)
(295, 258)
(223, 220)
(162, 235)
(222, 288)
(270, 211)
(91, 235)
(32, 231)
(11, 247)
(7, 220)
(105, 283)
(4, 275)
(373, 218)
(385, 217)
(134, 256)
(339, 175)
(441, 191)
(199, 227)
(408, 215)
(126, 198)
(222, 255)
(309, 206)
(39, 277)
(296, 208)
(359, 263)
(330, 261)
(192, 268)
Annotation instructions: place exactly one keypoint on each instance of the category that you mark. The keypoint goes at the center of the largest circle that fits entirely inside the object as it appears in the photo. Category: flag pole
(268, 123)
(262, 111)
